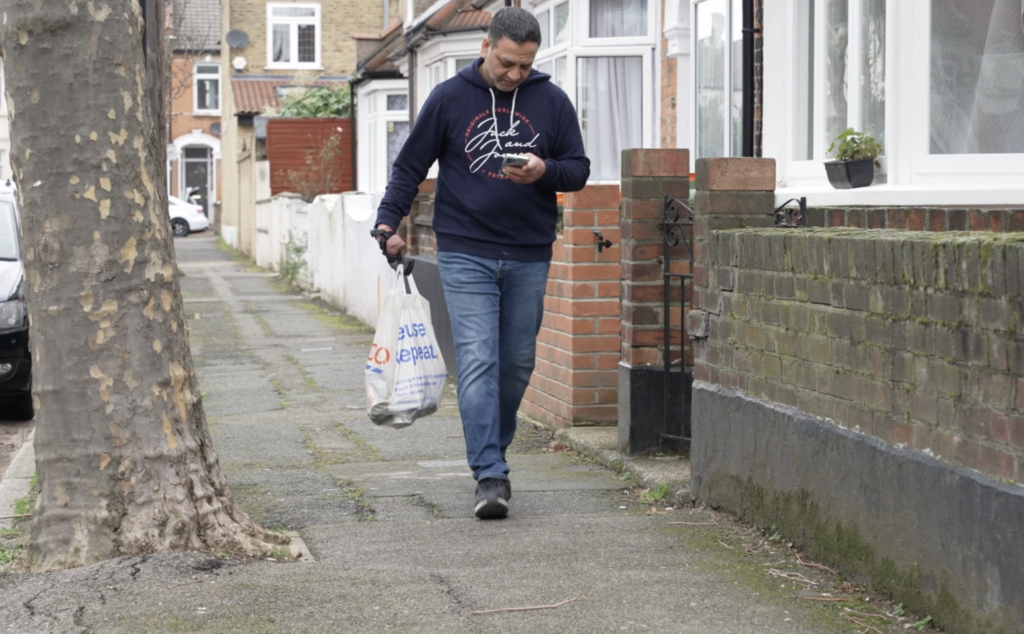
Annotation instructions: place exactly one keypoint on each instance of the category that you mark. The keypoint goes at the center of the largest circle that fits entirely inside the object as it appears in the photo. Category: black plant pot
(850, 174)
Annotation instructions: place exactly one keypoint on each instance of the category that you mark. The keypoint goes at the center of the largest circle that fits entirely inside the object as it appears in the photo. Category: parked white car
(186, 218)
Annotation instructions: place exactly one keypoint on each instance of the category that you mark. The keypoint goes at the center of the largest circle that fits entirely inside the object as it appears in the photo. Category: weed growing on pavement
(24, 506)
(356, 494)
(370, 453)
(655, 495)
(308, 379)
(281, 554)
(234, 253)
(7, 555)
(331, 316)
(294, 259)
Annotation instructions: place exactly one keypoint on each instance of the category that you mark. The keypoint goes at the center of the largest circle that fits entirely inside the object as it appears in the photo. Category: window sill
(206, 113)
(293, 67)
(952, 195)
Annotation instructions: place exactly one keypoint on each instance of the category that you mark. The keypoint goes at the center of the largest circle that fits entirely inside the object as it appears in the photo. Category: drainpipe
(748, 77)
(387, 14)
(354, 130)
(413, 110)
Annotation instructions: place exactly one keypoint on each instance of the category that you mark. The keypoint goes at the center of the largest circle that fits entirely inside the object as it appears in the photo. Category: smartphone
(514, 160)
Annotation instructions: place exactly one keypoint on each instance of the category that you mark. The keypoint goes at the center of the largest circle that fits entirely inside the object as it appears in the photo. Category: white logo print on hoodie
(484, 136)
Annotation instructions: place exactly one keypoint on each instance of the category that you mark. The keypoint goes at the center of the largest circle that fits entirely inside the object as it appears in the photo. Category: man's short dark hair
(515, 23)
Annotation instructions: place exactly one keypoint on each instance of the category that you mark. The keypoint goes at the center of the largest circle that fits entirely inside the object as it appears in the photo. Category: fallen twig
(830, 599)
(535, 607)
(867, 614)
(810, 564)
(792, 576)
(694, 524)
(755, 549)
(14, 517)
(726, 545)
(860, 623)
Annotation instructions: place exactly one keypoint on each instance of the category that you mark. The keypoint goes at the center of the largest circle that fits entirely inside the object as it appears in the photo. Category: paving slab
(386, 515)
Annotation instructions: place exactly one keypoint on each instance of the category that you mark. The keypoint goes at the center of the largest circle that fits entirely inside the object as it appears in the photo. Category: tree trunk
(125, 461)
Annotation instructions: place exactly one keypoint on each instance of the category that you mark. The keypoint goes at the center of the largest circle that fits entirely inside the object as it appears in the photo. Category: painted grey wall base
(944, 540)
(642, 410)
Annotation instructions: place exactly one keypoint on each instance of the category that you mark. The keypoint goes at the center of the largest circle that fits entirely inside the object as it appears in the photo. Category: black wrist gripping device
(382, 236)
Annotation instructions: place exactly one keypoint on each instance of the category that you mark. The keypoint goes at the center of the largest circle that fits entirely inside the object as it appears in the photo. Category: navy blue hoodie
(467, 126)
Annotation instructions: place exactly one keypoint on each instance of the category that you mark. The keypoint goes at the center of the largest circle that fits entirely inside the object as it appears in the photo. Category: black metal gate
(677, 390)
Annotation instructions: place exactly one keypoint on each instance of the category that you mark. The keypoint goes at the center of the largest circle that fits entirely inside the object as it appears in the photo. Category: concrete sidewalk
(387, 515)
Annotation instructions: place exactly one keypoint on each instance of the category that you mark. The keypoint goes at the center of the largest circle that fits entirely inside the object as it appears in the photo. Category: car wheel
(22, 408)
(180, 227)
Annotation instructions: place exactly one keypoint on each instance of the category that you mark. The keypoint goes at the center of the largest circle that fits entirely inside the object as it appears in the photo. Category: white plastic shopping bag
(405, 373)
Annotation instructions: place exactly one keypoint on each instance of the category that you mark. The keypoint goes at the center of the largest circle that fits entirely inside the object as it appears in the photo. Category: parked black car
(15, 360)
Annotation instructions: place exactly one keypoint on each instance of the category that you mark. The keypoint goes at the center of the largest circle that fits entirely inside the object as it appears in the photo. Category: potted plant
(856, 156)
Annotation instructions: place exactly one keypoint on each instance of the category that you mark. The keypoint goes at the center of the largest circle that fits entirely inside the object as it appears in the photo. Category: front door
(198, 163)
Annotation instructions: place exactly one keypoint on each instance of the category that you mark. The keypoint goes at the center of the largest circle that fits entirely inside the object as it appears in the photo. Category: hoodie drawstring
(511, 116)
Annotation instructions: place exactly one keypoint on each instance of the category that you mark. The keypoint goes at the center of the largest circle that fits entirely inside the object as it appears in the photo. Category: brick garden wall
(575, 380)
(912, 339)
(918, 218)
(417, 229)
(862, 390)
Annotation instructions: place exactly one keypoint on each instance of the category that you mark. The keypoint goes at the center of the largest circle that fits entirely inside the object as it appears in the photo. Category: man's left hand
(528, 173)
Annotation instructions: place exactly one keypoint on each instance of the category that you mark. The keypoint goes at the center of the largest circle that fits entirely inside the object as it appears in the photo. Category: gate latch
(602, 244)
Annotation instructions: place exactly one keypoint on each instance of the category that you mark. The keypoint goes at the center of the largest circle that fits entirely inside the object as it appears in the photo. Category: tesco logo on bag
(379, 355)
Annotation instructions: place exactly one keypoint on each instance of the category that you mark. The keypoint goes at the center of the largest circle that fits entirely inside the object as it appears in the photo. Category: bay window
(609, 104)
(977, 77)
(383, 128)
(601, 53)
(842, 43)
(719, 78)
(940, 83)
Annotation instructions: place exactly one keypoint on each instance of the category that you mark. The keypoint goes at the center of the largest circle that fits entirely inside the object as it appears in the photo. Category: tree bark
(124, 458)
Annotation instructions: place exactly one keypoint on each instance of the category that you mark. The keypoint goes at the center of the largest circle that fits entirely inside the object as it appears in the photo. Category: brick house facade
(314, 44)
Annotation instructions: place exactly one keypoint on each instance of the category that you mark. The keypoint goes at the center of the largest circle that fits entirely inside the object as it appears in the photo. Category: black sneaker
(492, 496)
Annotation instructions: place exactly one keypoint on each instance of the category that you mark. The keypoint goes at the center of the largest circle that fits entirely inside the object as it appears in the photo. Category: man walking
(494, 226)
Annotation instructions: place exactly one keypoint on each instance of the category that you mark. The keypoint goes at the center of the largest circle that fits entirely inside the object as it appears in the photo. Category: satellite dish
(215, 128)
(236, 38)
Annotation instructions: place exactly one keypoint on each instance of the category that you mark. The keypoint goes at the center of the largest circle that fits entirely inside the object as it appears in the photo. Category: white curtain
(977, 77)
(610, 100)
(618, 18)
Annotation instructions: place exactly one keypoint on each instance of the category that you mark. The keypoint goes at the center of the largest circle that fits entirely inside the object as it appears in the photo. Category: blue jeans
(496, 307)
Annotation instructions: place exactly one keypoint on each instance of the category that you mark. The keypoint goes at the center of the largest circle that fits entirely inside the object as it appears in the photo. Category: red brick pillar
(731, 193)
(648, 177)
(578, 347)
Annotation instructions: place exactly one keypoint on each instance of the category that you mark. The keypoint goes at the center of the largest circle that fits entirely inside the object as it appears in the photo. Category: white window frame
(581, 45)
(294, 22)
(373, 134)
(928, 168)
(553, 49)
(913, 176)
(196, 78)
(814, 169)
(727, 129)
(647, 94)
(438, 59)
(583, 28)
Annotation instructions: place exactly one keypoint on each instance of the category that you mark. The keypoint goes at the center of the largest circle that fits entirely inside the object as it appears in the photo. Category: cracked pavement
(387, 514)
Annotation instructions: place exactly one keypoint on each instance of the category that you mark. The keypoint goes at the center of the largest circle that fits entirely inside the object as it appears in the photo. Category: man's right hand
(395, 243)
